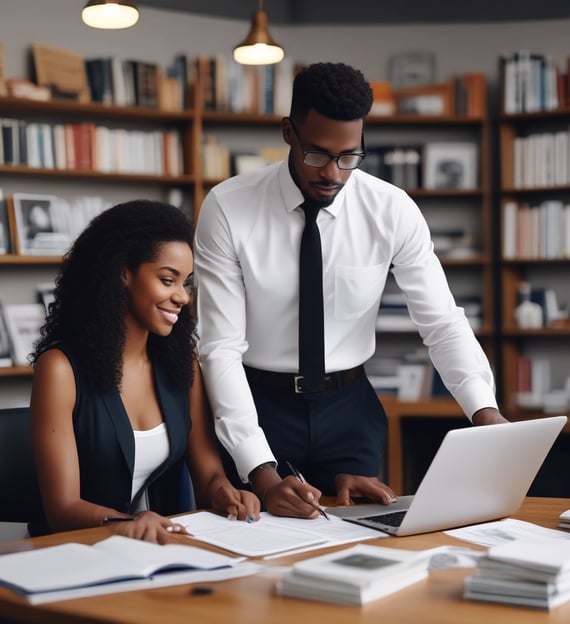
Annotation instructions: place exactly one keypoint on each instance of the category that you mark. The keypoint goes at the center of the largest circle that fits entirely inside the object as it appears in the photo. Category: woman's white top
(151, 449)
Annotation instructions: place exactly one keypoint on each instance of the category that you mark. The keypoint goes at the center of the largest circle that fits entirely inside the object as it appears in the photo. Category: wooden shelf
(16, 371)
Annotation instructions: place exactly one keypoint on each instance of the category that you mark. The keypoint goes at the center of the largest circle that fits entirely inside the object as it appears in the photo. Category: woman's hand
(236, 504)
(148, 526)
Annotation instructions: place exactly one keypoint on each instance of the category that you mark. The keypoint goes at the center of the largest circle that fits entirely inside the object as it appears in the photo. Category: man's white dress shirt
(247, 263)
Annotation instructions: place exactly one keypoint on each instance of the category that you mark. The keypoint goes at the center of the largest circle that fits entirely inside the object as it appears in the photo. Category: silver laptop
(478, 474)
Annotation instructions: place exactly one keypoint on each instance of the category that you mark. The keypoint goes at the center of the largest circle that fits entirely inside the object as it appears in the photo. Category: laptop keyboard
(393, 519)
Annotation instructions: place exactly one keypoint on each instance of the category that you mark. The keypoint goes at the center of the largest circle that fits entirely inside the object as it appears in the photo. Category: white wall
(161, 34)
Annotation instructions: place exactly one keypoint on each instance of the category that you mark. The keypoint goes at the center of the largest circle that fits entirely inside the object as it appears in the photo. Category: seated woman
(118, 404)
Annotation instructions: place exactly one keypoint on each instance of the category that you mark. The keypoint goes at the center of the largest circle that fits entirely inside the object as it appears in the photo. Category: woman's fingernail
(250, 519)
(232, 517)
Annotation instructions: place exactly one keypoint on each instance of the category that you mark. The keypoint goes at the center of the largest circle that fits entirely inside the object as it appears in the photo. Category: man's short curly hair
(334, 90)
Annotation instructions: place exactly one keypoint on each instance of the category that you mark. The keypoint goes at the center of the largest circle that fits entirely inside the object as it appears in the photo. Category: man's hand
(292, 498)
(356, 486)
(488, 416)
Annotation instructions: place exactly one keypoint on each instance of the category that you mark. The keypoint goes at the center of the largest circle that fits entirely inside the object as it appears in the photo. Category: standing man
(291, 262)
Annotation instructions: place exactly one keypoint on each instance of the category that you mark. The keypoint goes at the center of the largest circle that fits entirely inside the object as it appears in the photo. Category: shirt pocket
(357, 289)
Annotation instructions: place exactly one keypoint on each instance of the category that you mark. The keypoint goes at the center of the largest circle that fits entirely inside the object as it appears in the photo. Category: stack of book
(356, 575)
(529, 573)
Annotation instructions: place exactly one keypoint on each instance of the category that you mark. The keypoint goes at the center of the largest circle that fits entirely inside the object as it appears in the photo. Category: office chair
(20, 499)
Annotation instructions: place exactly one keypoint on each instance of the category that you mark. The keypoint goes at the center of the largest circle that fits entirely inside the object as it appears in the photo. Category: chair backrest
(20, 499)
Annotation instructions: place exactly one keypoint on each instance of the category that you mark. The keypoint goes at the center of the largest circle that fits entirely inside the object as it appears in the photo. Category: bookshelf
(535, 248)
(464, 207)
(16, 177)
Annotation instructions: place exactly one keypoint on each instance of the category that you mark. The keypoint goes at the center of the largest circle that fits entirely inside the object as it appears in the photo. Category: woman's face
(158, 290)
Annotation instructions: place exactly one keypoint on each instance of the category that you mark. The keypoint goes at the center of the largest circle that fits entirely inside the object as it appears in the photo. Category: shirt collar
(292, 196)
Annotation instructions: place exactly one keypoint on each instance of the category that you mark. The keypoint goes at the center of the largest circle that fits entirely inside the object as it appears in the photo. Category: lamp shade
(110, 14)
(258, 48)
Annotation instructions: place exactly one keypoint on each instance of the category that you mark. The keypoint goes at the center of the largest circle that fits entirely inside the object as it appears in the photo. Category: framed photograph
(23, 322)
(411, 69)
(451, 165)
(5, 352)
(37, 225)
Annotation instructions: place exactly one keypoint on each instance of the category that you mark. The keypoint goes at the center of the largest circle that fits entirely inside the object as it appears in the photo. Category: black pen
(301, 479)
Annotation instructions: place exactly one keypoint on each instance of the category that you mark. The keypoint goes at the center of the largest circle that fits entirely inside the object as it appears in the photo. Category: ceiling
(312, 12)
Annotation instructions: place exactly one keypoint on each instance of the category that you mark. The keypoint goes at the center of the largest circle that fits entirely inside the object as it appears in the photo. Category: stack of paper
(531, 573)
(564, 520)
(356, 575)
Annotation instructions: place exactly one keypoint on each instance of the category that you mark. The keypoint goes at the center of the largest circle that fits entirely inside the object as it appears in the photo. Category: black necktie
(311, 323)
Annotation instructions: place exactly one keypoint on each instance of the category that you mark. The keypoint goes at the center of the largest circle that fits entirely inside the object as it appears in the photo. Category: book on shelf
(528, 573)
(529, 82)
(356, 575)
(564, 520)
(398, 164)
(46, 573)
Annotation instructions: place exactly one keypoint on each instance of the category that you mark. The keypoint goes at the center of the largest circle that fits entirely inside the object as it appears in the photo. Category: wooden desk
(252, 600)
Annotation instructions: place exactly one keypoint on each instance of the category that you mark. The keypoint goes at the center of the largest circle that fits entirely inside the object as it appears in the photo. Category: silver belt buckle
(297, 379)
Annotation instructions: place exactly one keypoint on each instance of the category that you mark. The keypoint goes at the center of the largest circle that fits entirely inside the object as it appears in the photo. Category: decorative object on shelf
(528, 314)
(258, 48)
(433, 99)
(383, 102)
(62, 71)
(411, 69)
(110, 14)
(450, 165)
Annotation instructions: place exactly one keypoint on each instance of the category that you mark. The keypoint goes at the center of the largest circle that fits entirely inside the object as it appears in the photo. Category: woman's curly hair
(90, 298)
(334, 90)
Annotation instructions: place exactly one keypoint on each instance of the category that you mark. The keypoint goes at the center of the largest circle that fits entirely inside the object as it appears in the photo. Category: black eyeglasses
(314, 158)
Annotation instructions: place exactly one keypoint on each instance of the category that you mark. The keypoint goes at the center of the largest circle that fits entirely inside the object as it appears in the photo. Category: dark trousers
(324, 434)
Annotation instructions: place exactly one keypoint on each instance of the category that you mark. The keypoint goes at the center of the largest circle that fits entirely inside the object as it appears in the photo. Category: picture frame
(5, 351)
(23, 322)
(451, 165)
(411, 69)
(36, 225)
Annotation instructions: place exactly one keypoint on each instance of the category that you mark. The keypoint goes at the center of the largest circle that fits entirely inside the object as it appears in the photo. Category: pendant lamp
(258, 48)
(110, 14)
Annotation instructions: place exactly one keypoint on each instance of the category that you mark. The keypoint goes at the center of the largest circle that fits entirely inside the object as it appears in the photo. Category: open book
(356, 575)
(57, 569)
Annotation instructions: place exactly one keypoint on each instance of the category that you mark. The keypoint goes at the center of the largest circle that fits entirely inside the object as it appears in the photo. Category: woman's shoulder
(54, 361)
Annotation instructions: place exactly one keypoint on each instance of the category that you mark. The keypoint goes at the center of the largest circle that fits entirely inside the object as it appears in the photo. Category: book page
(62, 567)
(149, 558)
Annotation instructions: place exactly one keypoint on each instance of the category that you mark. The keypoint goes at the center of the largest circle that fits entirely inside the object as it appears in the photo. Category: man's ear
(286, 130)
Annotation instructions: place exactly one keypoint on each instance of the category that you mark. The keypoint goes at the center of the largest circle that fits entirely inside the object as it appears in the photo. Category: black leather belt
(290, 381)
